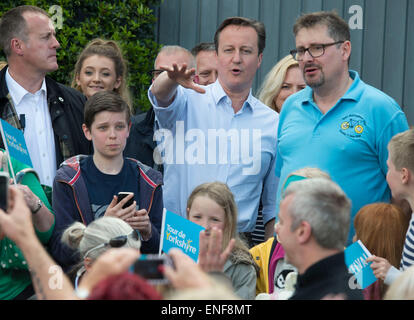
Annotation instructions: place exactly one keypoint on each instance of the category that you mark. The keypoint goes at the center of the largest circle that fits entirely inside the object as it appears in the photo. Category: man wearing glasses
(337, 123)
(141, 144)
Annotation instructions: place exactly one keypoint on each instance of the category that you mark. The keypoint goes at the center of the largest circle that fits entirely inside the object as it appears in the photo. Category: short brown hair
(401, 149)
(104, 101)
(13, 25)
(338, 29)
(244, 22)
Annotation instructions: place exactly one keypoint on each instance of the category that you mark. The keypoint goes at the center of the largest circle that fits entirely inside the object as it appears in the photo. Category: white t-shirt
(281, 272)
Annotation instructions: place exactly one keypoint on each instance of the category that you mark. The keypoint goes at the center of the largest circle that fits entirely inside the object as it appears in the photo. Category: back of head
(273, 81)
(381, 227)
(100, 231)
(326, 208)
(104, 101)
(176, 54)
(309, 172)
(258, 26)
(13, 25)
(401, 148)
(338, 29)
(305, 173)
(124, 286)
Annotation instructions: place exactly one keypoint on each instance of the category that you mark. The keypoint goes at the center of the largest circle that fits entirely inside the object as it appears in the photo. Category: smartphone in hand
(4, 190)
(122, 195)
(148, 267)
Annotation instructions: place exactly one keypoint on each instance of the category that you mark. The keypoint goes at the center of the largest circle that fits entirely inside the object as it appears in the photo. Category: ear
(87, 263)
(17, 46)
(405, 176)
(78, 83)
(346, 50)
(129, 128)
(188, 212)
(118, 83)
(260, 60)
(304, 232)
(87, 132)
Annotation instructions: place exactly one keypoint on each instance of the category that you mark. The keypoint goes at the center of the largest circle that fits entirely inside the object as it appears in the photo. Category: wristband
(39, 206)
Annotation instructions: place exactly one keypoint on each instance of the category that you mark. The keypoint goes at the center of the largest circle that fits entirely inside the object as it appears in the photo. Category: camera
(148, 267)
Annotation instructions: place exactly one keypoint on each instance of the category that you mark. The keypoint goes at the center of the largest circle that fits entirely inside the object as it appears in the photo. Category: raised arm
(165, 86)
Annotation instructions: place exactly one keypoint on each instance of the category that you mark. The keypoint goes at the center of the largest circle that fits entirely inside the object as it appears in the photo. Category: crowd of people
(281, 183)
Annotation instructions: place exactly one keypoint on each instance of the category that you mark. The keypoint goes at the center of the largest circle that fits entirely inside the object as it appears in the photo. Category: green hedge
(130, 22)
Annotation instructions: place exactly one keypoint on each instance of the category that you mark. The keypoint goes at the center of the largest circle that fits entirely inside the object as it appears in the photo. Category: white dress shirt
(38, 131)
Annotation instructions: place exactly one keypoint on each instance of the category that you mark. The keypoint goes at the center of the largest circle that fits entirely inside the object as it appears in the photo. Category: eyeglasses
(116, 242)
(156, 72)
(315, 50)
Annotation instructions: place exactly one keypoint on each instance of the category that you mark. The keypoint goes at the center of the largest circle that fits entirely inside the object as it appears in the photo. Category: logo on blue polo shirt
(352, 126)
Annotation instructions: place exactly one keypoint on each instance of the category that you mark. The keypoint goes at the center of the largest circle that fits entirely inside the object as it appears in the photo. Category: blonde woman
(97, 237)
(282, 80)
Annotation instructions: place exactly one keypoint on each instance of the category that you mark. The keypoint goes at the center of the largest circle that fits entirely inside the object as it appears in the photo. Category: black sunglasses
(116, 242)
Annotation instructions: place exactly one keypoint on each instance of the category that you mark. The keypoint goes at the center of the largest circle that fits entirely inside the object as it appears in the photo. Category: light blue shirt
(201, 140)
(349, 142)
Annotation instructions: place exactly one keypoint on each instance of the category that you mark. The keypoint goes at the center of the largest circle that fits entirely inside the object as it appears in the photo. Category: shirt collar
(17, 92)
(353, 93)
(219, 94)
(324, 268)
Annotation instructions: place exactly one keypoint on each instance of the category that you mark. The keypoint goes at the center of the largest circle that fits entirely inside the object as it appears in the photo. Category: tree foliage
(129, 22)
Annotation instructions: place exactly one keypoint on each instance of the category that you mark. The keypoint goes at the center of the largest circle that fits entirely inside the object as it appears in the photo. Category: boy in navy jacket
(86, 187)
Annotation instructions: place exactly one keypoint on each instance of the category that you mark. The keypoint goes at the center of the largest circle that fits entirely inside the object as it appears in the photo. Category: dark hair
(104, 101)
(203, 46)
(13, 25)
(245, 22)
(338, 29)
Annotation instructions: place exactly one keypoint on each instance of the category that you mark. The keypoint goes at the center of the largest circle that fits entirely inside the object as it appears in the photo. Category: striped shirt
(407, 259)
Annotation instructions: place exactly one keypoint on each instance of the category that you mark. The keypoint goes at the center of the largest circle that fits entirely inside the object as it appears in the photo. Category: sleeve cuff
(392, 274)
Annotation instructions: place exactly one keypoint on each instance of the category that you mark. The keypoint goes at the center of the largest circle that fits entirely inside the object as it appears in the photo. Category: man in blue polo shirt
(219, 132)
(337, 123)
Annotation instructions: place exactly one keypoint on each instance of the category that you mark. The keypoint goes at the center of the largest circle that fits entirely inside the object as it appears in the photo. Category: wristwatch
(39, 206)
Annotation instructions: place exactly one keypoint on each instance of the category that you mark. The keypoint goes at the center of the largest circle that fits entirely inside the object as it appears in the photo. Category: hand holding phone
(122, 195)
(149, 266)
(4, 190)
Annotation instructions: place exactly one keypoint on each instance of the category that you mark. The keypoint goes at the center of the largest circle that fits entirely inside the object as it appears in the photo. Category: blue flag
(355, 259)
(178, 232)
(14, 143)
